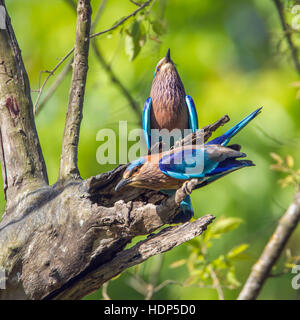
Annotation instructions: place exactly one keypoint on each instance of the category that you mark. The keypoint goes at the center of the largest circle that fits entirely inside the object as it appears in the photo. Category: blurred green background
(228, 57)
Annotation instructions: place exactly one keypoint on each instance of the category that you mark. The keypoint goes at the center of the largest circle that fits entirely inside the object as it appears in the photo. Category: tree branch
(53, 87)
(115, 26)
(22, 161)
(262, 268)
(167, 239)
(38, 247)
(50, 73)
(123, 89)
(288, 35)
(68, 161)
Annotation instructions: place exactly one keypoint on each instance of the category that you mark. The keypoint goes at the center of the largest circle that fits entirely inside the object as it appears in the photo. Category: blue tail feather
(226, 137)
(224, 168)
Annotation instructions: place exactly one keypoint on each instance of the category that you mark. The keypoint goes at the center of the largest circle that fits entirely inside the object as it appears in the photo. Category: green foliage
(135, 39)
(202, 268)
(145, 26)
(286, 166)
(226, 66)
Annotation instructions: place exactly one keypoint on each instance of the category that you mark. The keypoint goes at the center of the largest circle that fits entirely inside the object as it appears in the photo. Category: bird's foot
(188, 186)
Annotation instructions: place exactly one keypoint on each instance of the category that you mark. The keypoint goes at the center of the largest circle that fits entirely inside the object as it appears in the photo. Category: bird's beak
(122, 183)
(168, 56)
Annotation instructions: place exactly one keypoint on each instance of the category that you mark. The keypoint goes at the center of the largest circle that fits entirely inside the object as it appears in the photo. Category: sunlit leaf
(231, 278)
(135, 38)
(289, 160)
(277, 167)
(276, 157)
(237, 251)
(225, 225)
(290, 265)
(178, 263)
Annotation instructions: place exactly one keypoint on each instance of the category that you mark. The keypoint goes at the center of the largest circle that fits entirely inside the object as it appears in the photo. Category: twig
(66, 70)
(216, 283)
(286, 30)
(53, 87)
(68, 161)
(134, 2)
(132, 102)
(143, 6)
(262, 268)
(62, 60)
(153, 278)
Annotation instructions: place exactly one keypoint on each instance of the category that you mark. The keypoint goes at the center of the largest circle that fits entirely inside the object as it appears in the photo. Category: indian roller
(208, 162)
(168, 107)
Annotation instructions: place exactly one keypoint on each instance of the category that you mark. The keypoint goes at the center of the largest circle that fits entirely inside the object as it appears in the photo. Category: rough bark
(60, 241)
(59, 238)
(22, 162)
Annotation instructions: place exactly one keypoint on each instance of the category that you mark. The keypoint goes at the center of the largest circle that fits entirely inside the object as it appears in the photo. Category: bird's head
(165, 65)
(131, 175)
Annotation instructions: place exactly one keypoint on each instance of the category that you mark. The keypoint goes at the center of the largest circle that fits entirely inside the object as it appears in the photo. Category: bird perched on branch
(168, 107)
(207, 163)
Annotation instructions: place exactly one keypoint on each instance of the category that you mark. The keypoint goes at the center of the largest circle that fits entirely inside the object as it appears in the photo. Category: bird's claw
(188, 186)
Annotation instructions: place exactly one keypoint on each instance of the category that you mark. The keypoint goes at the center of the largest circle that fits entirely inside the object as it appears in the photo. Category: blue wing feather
(193, 118)
(187, 164)
(146, 121)
(220, 171)
(226, 137)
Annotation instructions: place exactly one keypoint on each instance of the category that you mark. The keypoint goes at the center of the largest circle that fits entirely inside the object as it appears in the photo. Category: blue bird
(171, 169)
(168, 107)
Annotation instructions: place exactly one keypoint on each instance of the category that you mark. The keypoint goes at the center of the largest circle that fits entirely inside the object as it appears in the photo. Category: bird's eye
(136, 169)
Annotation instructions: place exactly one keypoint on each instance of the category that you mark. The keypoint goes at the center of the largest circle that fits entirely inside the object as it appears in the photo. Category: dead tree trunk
(64, 241)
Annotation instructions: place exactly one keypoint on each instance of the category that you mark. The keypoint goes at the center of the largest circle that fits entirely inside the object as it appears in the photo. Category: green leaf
(220, 263)
(130, 47)
(289, 265)
(135, 38)
(224, 225)
(233, 253)
(178, 263)
(231, 278)
(191, 280)
(159, 27)
(121, 26)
